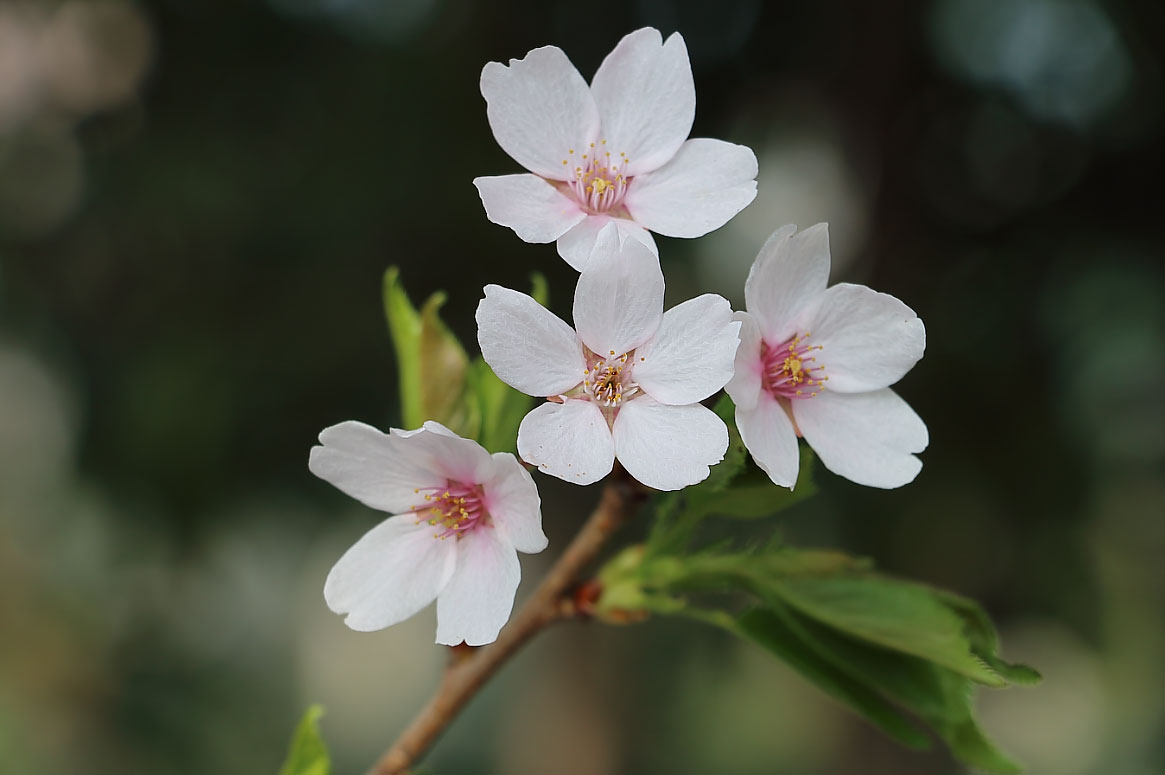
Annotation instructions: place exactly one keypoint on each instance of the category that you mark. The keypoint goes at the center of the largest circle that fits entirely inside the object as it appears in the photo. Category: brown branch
(467, 673)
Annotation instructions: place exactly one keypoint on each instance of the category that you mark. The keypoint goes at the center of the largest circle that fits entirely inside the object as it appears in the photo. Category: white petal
(479, 597)
(371, 467)
(570, 441)
(396, 569)
(528, 204)
(576, 245)
(745, 386)
(632, 230)
(618, 301)
(429, 425)
(868, 438)
(692, 354)
(869, 340)
(436, 448)
(528, 346)
(768, 434)
(512, 500)
(705, 184)
(646, 98)
(668, 447)
(786, 281)
(539, 109)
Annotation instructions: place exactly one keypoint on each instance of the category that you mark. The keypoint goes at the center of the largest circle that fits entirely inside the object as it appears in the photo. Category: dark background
(197, 203)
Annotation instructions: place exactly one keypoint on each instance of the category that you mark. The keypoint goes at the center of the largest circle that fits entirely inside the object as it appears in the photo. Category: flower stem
(467, 674)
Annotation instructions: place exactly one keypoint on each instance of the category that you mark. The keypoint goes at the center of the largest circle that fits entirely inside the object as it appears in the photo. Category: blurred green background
(197, 202)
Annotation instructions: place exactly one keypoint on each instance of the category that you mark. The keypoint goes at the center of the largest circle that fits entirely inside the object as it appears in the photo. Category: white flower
(627, 385)
(462, 514)
(615, 152)
(818, 362)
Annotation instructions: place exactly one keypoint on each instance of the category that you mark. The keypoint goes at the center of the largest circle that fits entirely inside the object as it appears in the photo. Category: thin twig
(467, 674)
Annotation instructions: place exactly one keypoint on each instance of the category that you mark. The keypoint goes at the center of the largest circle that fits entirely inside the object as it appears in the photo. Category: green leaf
(910, 680)
(308, 754)
(732, 490)
(984, 639)
(760, 500)
(744, 500)
(940, 697)
(769, 631)
(790, 563)
(678, 513)
(500, 407)
(970, 744)
(748, 571)
(539, 288)
(897, 615)
(444, 374)
(877, 683)
(880, 645)
(404, 326)
(433, 366)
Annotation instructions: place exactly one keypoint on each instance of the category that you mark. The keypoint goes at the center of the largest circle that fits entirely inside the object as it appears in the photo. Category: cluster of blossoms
(609, 163)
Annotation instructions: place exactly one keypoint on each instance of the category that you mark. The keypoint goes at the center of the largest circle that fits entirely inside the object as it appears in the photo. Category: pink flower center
(599, 183)
(790, 370)
(457, 509)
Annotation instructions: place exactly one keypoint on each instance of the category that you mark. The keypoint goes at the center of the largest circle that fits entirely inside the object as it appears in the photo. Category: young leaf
(677, 513)
(984, 640)
(745, 499)
(940, 697)
(769, 631)
(432, 364)
(787, 562)
(404, 326)
(308, 754)
(500, 407)
(539, 288)
(870, 641)
(964, 735)
(730, 490)
(894, 614)
(748, 571)
(444, 374)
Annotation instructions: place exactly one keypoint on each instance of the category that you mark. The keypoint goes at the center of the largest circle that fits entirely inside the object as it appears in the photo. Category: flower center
(790, 370)
(457, 508)
(599, 182)
(607, 380)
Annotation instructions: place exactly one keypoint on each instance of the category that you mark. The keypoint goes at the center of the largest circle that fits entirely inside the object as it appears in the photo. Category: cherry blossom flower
(462, 516)
(817, 362)
(614, 152)
(628, 384)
